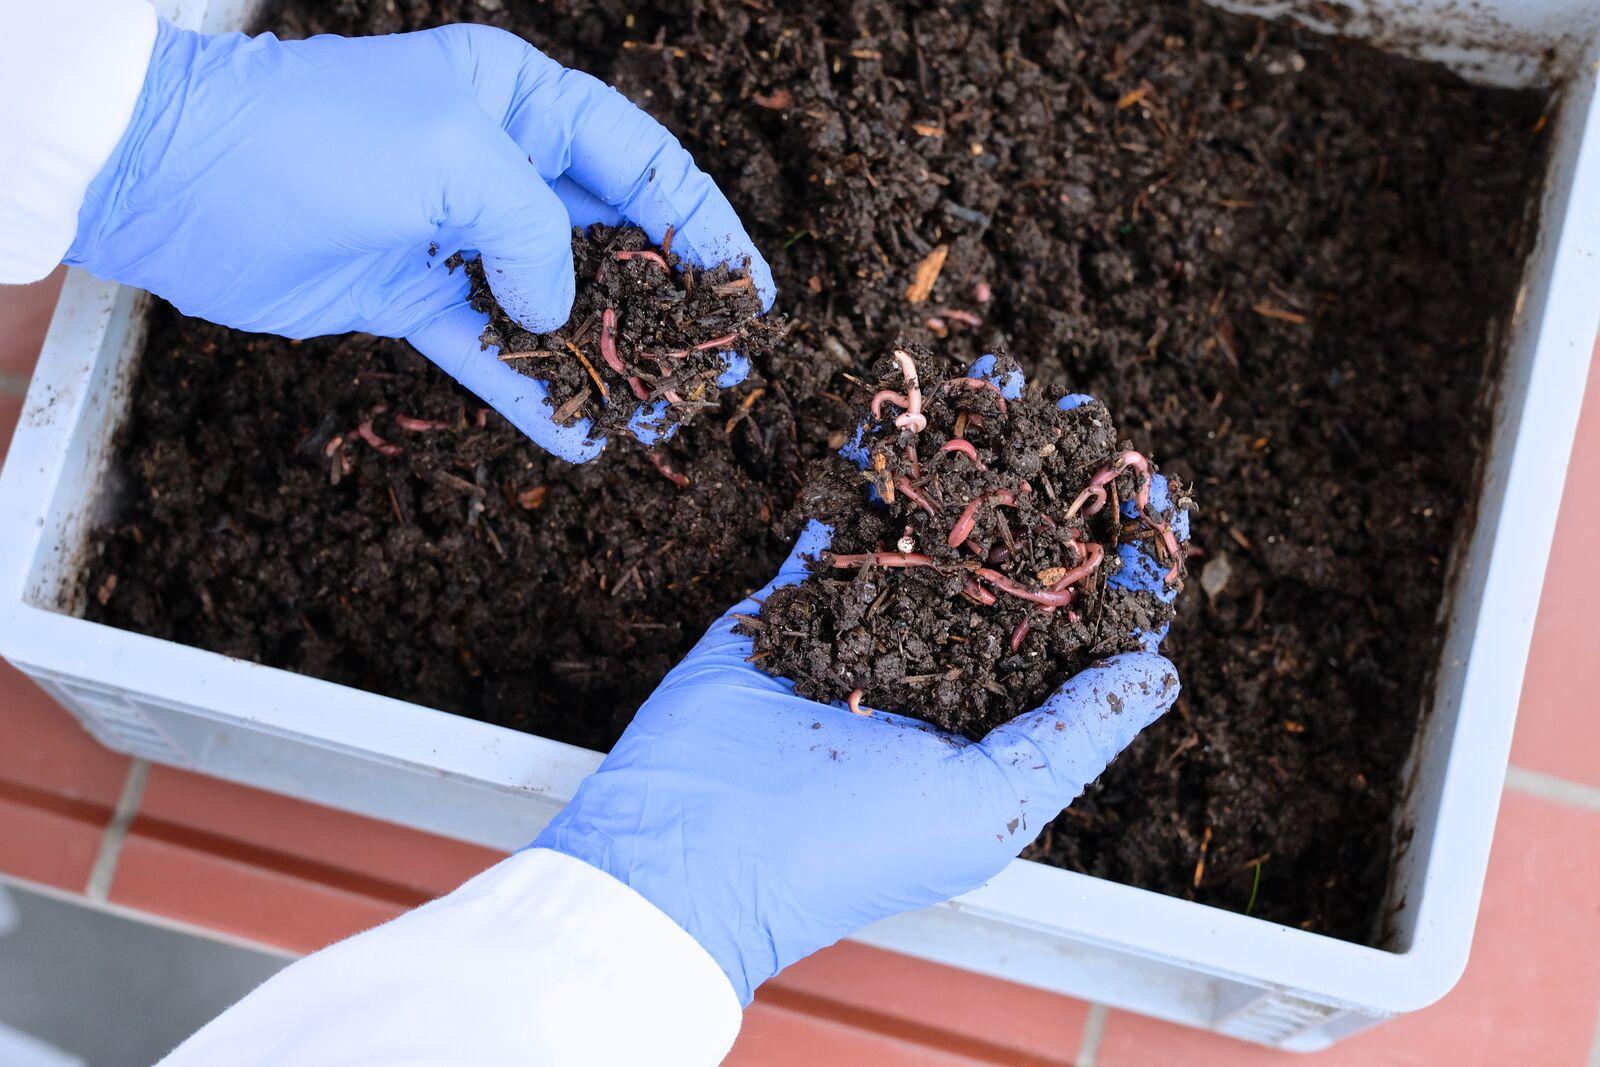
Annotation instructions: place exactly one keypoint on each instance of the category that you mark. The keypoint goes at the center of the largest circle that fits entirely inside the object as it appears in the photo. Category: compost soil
(977, 576)
(646, 328)
(1288, 261)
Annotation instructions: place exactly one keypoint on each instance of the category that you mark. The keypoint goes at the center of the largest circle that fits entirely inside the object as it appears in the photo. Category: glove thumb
(1052, 753)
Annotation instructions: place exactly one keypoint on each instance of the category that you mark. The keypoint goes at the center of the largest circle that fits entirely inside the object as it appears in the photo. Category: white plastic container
(1039, 925)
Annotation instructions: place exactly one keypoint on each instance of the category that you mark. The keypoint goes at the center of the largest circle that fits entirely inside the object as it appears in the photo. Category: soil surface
(1286, 260)
(645, 328)
(979, 578)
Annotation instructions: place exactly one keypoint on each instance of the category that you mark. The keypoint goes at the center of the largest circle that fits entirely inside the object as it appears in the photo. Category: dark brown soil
(922, 605)
(1286, 260)
(664, 325)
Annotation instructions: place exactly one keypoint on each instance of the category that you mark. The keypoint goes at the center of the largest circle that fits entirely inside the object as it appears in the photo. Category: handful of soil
(977, 581)
(645, 326)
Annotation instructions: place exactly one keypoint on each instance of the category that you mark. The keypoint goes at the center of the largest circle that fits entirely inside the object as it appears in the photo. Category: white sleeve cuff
(540, 959)
(70, 75)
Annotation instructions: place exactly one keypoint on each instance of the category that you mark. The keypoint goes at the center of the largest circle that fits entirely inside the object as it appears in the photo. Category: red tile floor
(257, 867)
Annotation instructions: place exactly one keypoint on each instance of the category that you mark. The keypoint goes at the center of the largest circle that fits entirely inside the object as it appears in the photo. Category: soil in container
(646, 328)
(976, 577)
(1286, 260)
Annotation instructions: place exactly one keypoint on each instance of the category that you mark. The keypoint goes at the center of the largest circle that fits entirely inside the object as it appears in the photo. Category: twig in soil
(1200, 867)
(594, 374)
(1255, 887)
(660, 463)
(926, 274)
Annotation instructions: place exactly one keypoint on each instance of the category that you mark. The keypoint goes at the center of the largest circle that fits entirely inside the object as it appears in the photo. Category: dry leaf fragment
(927, 273)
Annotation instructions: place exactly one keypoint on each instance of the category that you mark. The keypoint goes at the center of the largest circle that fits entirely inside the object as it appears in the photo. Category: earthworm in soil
(645, 255)
(660, 463)
(414, 425)
(1054, 598)
(884, 559)
(981, 383)
(608, 342)
(914, 495)
(370, 436)
(969, 515)
(912, 418)
(853, 702)
(966, 448)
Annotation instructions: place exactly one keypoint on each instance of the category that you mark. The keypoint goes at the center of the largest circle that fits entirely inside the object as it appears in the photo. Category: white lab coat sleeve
(542, 959)
(70, 76)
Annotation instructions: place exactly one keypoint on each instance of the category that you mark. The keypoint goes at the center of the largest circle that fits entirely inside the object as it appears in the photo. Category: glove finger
(650, 423)
(1009, 382)
(1052, 753)
(502, 207)
(572, 124)
(451, 341)
(583, 207)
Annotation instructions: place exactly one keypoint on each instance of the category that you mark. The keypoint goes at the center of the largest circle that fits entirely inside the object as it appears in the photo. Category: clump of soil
(1227, 229)
(977, 581)
(646, 326)
(457, 566)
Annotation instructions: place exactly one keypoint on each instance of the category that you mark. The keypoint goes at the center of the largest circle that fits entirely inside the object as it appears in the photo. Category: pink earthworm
(660, 463)
(333, 445)
(912, 418)
(966, 318)
(370, 436)
(969, 515)
(717, 342)
(1055, 598)
(1077, 574)
(853, 702)
(966, 448)
(481, 420)
(915, 495)
(637, 385)
(645, 255)
(981, 383)
(982, 292)
(608, 342)
(884, 559)
(415, 425)
(913, 462)
(979, 593)
(1020, 633)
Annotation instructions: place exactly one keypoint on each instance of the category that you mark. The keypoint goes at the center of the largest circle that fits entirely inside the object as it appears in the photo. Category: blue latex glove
(313, 187)
(769, 826)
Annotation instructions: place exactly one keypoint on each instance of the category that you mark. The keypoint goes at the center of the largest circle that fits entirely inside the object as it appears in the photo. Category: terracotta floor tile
(1558, 724)
(780, 1037)
(25, 312)
(1531, 993)
(47, 838)
(272, 899)
(10, 409)
(419, 861)
(951, 1008)
(45, 748)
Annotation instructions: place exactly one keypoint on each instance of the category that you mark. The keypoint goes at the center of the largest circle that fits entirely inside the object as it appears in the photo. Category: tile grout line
(1550, 787)
(116, 832)
(1094, 1028)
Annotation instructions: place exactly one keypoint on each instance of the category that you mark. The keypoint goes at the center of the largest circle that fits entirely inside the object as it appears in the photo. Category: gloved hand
(769, 826)
(312, 187)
